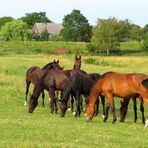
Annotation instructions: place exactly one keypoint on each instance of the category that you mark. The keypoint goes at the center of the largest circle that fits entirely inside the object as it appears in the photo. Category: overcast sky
(134, 10)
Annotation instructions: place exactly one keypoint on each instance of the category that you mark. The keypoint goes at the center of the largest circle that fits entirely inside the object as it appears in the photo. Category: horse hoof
(25, 104)
(122, 121)
(68, 109)
(113, 121)
(88, 119)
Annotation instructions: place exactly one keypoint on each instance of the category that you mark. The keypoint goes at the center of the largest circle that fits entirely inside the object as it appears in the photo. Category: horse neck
(94, 93)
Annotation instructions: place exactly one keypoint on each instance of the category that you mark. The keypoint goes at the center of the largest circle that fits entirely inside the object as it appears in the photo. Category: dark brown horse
(115, 84)
(77, 64)
(78, 84)
(124, 108)
(34, 73)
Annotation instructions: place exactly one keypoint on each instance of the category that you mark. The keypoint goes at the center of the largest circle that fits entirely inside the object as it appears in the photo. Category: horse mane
(47, 65)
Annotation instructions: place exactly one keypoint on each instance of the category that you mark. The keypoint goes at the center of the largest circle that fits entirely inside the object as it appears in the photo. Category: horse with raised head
(115, 84)
(34, 73)
(51, 80)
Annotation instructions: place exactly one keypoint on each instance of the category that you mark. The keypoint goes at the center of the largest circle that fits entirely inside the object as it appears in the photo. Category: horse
(77, 64)
(78, 84)
(116, 84)
(34, 73)
(52, 80)
(124, 108)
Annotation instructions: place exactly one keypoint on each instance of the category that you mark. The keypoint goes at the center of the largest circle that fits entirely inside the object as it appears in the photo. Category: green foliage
(91, 48)
(136, 32)
(4, 20)
(145, 42)
(15, 30)
(35, 17)
(76, 27)
(106, 34)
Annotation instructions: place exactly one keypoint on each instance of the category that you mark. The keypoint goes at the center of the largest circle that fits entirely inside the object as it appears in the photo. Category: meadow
(19, 129)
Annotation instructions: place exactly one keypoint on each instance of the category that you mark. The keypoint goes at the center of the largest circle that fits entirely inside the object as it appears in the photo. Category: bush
(91, 48)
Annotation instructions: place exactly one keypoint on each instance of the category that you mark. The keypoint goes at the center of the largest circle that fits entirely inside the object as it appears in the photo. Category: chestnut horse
(115, 84)
(34, 73)
(124, 108)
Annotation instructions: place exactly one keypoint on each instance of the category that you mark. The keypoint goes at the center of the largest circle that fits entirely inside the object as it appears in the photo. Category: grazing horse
(34, 73)
(78, 84)
(115, 84)
(124, 108)
(52, 80)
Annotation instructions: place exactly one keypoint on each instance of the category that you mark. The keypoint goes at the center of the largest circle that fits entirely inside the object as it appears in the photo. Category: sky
(134, 10)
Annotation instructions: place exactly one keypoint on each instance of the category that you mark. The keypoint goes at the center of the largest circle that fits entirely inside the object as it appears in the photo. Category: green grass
(18, 129)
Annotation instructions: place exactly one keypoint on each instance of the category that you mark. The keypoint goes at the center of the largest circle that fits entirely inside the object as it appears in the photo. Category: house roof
(50, 27)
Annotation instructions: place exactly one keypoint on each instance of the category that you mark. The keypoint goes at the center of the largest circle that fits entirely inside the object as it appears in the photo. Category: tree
(145, 41)
(136, 32)
(76, 27)
(106, 34)
(4, 20)
(124, 30)
(35, 17)
(15, 30)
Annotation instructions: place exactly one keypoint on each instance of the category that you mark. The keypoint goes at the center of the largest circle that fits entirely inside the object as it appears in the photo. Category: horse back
(33, 74)
(121, 84)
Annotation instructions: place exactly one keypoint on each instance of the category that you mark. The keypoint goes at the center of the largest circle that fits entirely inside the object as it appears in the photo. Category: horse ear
(54, 61)
(145, 83)
(57, 61)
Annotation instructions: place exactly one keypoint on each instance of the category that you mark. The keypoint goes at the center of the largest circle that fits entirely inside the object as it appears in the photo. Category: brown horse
(124, 108)
(77, 64)
(34, 73)
(115, 84)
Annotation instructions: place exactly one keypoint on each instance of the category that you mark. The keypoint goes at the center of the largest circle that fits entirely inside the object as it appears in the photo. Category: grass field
(18, 129)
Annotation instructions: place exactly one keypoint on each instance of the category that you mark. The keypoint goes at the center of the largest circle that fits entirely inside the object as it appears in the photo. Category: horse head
(63, 107)
(32, 104)
(77, 64)
(53, 65)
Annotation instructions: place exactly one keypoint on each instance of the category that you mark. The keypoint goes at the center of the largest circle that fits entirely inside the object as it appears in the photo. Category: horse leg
(78, 110)
(110, 103)
(81, 103)
(72, 102)
(27, 90)
(103, 105)
(113, 111)
(56, 101)
(107, 111)
(43, 96)
(52, 99)
(124, 108)
(142, 109)
(97, 107)
(135, 108)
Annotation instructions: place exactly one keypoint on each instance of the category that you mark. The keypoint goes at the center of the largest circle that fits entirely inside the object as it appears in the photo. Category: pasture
(18, 129)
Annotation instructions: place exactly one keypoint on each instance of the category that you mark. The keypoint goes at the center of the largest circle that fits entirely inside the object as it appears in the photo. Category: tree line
(105, 35)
